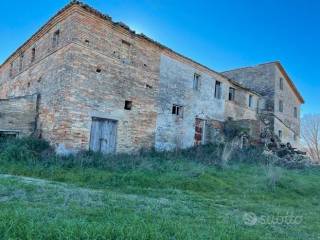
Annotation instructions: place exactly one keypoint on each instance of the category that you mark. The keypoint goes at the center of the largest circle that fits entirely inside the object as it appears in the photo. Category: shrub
(22, 149)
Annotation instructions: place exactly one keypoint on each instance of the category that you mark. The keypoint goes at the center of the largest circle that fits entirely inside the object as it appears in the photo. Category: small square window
(177, 110)
(128, 105)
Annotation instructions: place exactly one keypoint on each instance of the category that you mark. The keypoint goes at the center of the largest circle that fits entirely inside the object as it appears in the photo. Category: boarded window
(218, 90)
(281, 83)
(280, 106)
(232, 93)
(177, 110)
(33, 54)
(196, 82)
(56, 39)
(295, 112)
(250, 101)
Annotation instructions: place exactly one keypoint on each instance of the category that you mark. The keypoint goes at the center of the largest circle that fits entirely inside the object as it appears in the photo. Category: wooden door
(199, 136)
(103, 135)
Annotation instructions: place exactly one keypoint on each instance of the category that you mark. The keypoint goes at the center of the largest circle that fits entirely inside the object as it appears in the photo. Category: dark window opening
(87, 41)
(128, 105)
(295, 112)
(250, 101)
(21, 62)
(98, 70)
(280, 134)
(218, 90)
(11, 70)
(280, 106)
(177, 110)
(281, 83)
(149, 86)
(196, 81)
(33, 54)
(56, 38)
(29, 84)
(232, 92)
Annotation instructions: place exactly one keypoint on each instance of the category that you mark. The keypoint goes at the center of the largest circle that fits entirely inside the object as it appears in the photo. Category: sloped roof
(120, 24)
(282, 70)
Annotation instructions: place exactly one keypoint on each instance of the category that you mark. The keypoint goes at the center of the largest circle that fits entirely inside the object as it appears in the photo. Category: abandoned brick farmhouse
(85, 82)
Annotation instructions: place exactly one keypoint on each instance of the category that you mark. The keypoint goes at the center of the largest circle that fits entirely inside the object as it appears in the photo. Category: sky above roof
(219, 34)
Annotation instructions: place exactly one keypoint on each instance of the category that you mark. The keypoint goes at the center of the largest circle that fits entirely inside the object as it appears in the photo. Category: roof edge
(121, 24)
(283, 71)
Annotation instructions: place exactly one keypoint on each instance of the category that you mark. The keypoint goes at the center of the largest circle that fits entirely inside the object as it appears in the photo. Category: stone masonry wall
(265, 79)
(176, 87)
(287, 117)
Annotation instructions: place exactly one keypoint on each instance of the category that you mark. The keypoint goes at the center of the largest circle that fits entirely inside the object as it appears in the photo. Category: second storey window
(11, 70)
(250, 101)
(196, 82)
(177, 110)
(295, 112)
(55, 39)
(280, 106)
(232, 93)
(33, 54)
(125, 50)
(218, 90)
(21, 62)
(281, 83)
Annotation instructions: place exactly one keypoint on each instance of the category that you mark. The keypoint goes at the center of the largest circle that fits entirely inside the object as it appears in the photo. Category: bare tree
(310, 133)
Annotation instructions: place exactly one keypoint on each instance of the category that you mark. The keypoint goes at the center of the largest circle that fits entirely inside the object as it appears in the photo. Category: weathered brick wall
(96, 67)
(19, 115)
(97, 45)
(48, 75)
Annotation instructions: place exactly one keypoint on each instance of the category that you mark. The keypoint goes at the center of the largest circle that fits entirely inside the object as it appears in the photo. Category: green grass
(184, 195)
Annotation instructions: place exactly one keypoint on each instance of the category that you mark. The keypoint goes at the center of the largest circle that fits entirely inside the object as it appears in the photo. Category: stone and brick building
(280, 100)
(86, 82)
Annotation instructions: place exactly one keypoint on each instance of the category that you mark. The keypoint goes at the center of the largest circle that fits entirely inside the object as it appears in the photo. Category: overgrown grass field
(190, 194)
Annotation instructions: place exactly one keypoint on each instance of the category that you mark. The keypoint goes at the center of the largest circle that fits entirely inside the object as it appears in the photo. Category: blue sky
(221, 34)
